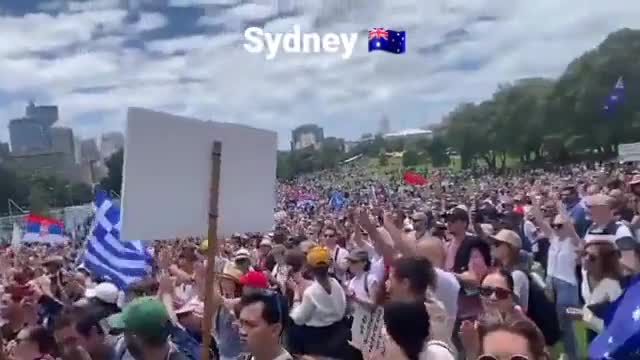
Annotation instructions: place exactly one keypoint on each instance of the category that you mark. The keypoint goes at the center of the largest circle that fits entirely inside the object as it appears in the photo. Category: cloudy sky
(94, 58)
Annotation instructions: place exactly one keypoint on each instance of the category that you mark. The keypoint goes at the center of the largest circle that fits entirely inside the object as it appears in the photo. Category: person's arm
(302, 308)
(380, 245)
(540, 220)
(165, 293)
(576, 240)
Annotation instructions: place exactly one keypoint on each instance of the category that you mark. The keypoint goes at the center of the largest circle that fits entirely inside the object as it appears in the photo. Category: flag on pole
(16, 236)
(616, 96)
(620, 338)
(122, 262)
(42, 229)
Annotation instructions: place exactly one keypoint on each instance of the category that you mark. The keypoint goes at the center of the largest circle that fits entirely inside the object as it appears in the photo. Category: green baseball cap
(145, 316)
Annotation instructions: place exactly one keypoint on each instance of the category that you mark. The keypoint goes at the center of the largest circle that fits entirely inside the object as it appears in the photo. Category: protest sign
(167, 177)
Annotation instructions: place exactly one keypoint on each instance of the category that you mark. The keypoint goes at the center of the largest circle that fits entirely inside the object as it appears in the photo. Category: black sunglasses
(492, 357)
(501, 294)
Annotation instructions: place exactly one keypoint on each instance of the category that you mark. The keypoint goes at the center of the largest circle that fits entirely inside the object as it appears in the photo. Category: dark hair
(82, 319)
(524, 328)
(319, 272)
(43, 339)
(505, 274)
(408, 325)
(418, 271)
(294, 258)
(609, 261)
(274, 306)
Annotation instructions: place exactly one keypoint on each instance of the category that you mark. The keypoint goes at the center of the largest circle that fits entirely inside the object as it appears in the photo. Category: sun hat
(241, 254)
(509, 237)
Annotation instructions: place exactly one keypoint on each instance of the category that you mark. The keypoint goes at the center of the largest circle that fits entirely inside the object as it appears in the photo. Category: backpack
(542, 312)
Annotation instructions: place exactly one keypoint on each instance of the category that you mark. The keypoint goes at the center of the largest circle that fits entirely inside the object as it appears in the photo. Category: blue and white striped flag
(122, 262)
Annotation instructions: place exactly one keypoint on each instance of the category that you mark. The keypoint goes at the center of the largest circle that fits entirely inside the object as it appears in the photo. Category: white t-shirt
(562, 260)
(436, 351)
(521, 288)
(447, 291)
(357, 286)
(319, 308)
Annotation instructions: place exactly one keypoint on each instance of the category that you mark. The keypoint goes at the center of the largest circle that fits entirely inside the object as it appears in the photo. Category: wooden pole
(212, 249)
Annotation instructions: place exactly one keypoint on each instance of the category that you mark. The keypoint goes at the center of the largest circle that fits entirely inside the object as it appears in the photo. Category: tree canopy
(534, 120)
(39, 193)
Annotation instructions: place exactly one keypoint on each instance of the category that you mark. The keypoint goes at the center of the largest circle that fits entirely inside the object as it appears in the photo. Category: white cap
(266, 242)
(241, 254)
(106, 292)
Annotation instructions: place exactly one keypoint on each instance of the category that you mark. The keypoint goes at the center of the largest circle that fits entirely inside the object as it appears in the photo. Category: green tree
(383, 159)
(410, 158)
(113, 180)
(12, 187)
(284, 168)
(436, 148)
(39, 200)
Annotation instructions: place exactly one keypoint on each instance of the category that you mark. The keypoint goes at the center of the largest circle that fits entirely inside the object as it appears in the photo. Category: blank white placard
(167, 176)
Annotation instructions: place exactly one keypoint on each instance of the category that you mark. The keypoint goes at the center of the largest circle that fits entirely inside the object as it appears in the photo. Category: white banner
(629, 152)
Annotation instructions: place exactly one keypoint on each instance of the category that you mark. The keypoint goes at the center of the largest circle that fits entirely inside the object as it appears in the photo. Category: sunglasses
(329, 235)
(557, 226)
(492, 357)
(501, 294)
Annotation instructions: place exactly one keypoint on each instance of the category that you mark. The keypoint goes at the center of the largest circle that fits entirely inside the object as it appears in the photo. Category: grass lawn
(581, 337)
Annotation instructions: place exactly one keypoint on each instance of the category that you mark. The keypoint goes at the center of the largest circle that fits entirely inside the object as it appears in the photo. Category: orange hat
(318, 256)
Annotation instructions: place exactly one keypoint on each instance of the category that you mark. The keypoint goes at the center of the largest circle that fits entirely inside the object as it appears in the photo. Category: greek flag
(122, 262)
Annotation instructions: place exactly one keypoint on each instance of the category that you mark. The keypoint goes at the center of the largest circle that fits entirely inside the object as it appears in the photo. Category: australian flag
(387, 40)
(616, 96)
(620, 338)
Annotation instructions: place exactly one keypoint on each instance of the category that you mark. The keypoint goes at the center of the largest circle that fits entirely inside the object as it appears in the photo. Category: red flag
(412, 178)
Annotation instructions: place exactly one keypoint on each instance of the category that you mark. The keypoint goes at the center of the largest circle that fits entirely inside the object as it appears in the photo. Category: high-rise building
(385, 126)
(89, 151)
(4, 150)
(305, 136)
(45, 114)
(62, 141)
(32, 133)
(111, 143)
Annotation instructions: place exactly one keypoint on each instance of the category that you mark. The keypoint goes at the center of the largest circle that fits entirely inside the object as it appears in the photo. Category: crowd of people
(470, 266)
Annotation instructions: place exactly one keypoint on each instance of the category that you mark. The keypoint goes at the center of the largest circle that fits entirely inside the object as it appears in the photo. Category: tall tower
(385, 127)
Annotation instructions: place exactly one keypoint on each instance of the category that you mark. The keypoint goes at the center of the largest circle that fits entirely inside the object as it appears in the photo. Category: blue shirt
(226, 334)
(578, 214)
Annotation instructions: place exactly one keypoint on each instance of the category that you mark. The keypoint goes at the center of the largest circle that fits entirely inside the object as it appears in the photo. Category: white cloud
(92, 5)
(185, 3)
(211, 76)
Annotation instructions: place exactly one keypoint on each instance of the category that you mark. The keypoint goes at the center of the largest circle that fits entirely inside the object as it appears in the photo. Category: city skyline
(95, 58)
